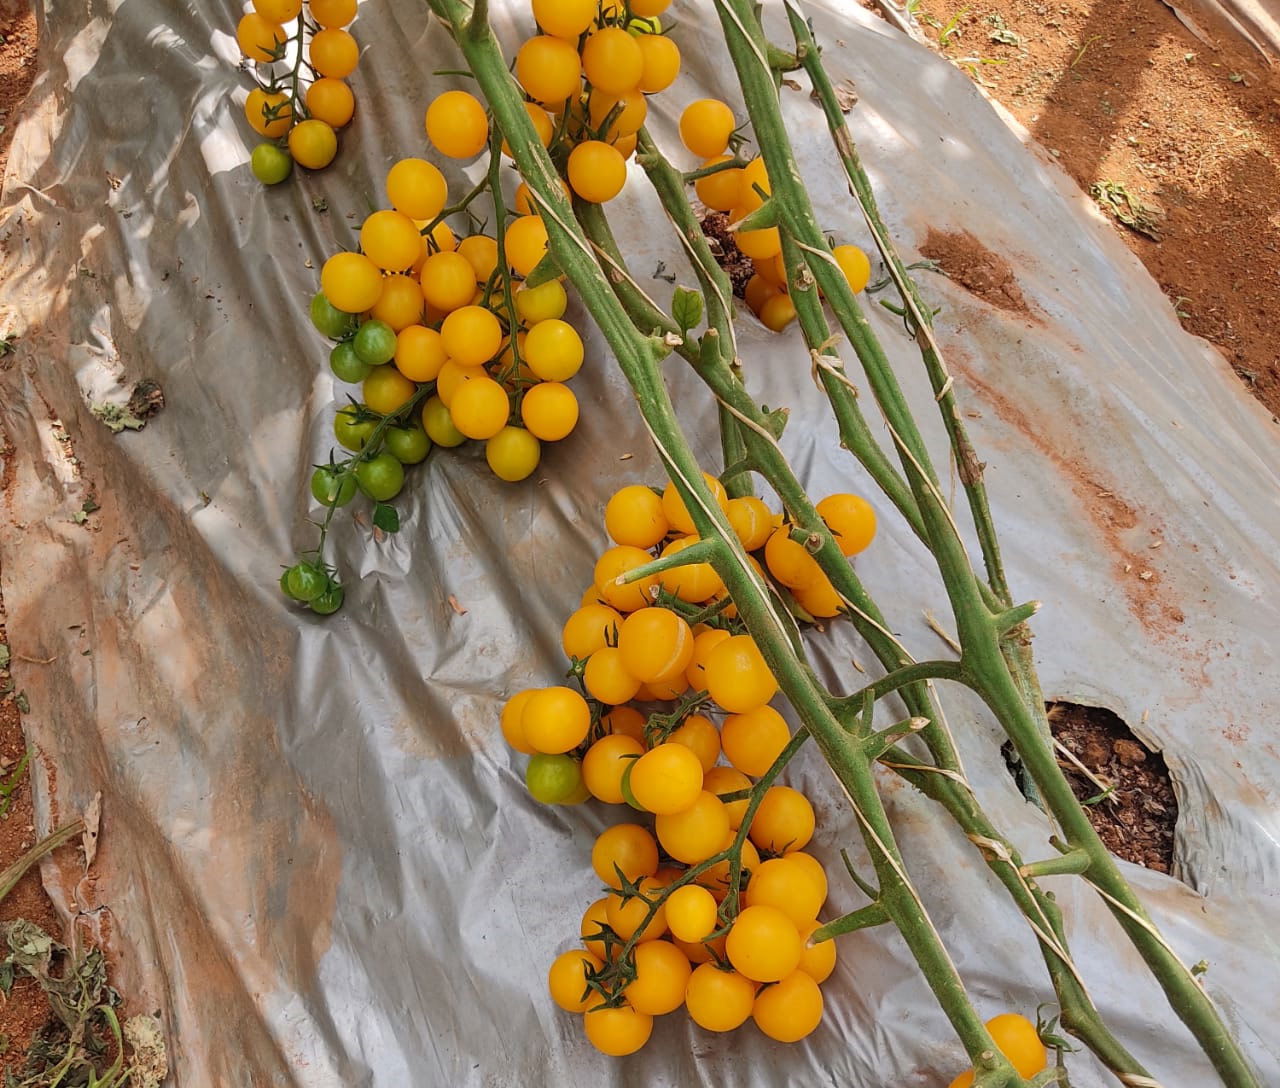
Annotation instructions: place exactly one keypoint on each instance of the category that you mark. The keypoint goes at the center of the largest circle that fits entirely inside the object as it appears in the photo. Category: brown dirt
(1136, 820)
(983, 273)
(27, 1009)
(715, 225)
(1124, 94)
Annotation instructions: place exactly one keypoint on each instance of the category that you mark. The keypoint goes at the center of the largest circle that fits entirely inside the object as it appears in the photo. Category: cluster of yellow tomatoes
(647, 947)
(708, 129)
(302, 130)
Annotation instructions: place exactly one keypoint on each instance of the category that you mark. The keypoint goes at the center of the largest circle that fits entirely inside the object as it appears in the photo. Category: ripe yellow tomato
(526, 243)
(699, 734)
(457, 124)
(260, 39)
(691, 913)
(548, 68)
(697, 832)
(667, 779)
(612, 61)
(626, 721)
(705, 127)
(694, 582)
(331, 101)
(556, 720)
(480, 407)
(659, 62)
(764, 944)
(594, 922)
(481, 252)
(616, 562)
(656, 644)
(757, 292)
(634, 516)
(663, 690)
(605, 763)
(597, 171)
(453, 377)
(703, 643)
(820, 598)
(789, 561)
(626, 916)
(550, 411)
(390, 240)
(1017, 1038)
(448, 281)
(649, 8)
(617, 1032)
(790, 1010)
(334, 53)
(350, 281)
(813, 867)
(851, 519)
(631, 112)
(419, 352)
(554, 350)
(606, 678)
(512, 454)
(752, 521)
(400, 304)
(512, 723)
(719, 1000)
(738, 677)
(268, 115)
(752, 741)
(313, 144)
(567, 978)
(662, 974)
(783, 821)
(386, 389)
(278, 11)
(332, 12)
(723, 780)
(855, 265)
(417, 189)
(565, 18)
(438, 424)
(472, 335)
(757, 244)
(678, 515)
(819, 960)
(590, 628)
(720, 191)
(785, 884)
(545, 302)
(777, 312)
(626, 847)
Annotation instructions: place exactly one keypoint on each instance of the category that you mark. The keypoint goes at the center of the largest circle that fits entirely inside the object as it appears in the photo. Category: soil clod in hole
(736, 264)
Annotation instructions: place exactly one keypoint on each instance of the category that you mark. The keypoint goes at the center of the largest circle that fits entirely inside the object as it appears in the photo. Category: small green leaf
(686, 308)
(386, 518)
(1200, 968)
(544, 271)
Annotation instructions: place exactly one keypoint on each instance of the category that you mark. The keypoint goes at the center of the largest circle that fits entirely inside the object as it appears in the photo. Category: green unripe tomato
(375, 342)
(270, 164)
(380, 477)
(303, 582)
(438, 424)
(351, 433)
(328, 319)
(284, 585)
(555, 780)
(408, 445)
(329, 601)
(329, 487)
(346, 365)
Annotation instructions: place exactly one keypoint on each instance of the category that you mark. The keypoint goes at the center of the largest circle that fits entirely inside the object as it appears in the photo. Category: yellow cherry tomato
(662, 975)
(757, 244)
(723, 780)
(567, 979)
(628, 111)
(481, 253)
(400, 304)
(548, 68)
(416, 188)
(626, 721)
(757, 292)
(512, 454)
(268, 115)
(549, 411)
(719, 191)
(851, 519)
(612, 61)
(554, 350)
(752, 521)
(784, 820)
(626, 847)
(678, 515)
(590, 628)
(855, 265)
(565, 18)
(419, 352)
(334, 53)
(719, 1000)
(545, 302)
(790, 561)
(626, 916)
(350, 281)
(556, 720)
(659, 62)
(457, 125)
(656, 644)
(278, 11)
(813, 867)
(697, 832)
(667, 779)
(386, 389)
(614, 563)
(790, 1010)
(649, 8)
(617, 1032)
(703, 643)
(738, 677)
(764, 944)
(818, 960)
(705, 127)
(390, 240)
(597, 171)
(605, 763)
(699, 734)
(752, 741)
(448, 281)
(595, 923)
(526, 243)
(313, 144)
(512, 723)
(1017, 1038)
(691, 913)
(472, 335)
(777, 312)
(820, 598)
(694, 582)
(480, 407)
(787, 885)
(542, 124)
(606, 678)
(331, 101)
(439, 425)
(633, 516)
(260, 39)
(330, 13)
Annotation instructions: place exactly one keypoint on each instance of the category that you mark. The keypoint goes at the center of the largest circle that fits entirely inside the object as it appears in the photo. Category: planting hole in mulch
(737, 265)
(1129, 798)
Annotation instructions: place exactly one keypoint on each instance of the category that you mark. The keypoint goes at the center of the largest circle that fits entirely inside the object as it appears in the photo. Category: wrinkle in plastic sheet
(318, 856)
